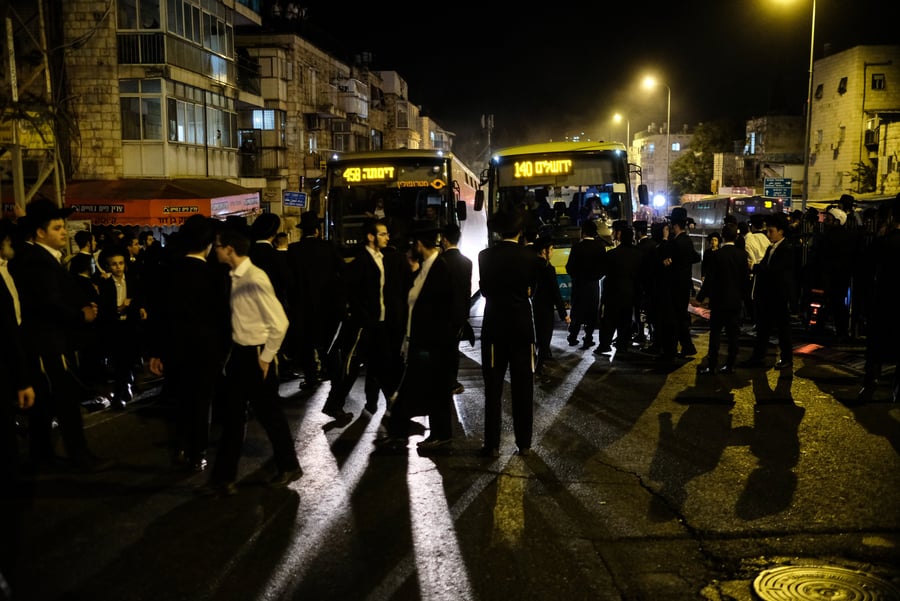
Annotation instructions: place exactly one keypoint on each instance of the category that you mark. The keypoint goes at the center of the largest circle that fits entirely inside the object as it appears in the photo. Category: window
(819, 91)
(842, 86)
(138, 14)
(402, 115)
(141, 109)
(877, 81)
(264, 119)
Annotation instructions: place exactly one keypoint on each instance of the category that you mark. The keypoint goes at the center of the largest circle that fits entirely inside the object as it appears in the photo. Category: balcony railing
(142, 49)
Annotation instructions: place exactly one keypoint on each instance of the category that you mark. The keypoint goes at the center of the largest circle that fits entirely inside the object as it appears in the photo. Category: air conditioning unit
(872, 137)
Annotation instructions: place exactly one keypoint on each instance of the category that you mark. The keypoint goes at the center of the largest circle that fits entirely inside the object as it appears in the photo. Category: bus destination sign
(526, 169)
(375, 173)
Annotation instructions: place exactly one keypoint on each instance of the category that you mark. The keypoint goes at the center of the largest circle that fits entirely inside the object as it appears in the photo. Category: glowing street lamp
(809, 94)
(650, 83)
(618, 119)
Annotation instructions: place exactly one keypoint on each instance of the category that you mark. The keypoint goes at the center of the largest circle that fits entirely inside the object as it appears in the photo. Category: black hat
(543, 242)
(7, 229)
(41, 211)
(619, 224)
(265, 226)
(426, 231)
(309, 222)
(679, 215)
(506, 222)
(640, 226)
(777, 220)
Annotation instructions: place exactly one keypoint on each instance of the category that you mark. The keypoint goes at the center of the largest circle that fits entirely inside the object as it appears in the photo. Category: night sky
(565, 68)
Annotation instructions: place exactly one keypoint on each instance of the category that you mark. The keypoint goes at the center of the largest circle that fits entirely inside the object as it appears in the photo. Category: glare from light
(659, 201)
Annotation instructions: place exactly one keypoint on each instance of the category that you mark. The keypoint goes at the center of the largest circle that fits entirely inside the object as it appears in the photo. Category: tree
(693, 171)
(864, 176)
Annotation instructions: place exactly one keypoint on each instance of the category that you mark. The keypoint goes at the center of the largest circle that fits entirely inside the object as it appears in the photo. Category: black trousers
(768, 319)
(58, 394)
(245, 387)
(496, 359)
(193, 384)
(730, 319)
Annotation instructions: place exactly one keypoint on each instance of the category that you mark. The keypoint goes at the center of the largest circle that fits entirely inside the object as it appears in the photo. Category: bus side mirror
(461, 210)
(643, 195)
(479, 200)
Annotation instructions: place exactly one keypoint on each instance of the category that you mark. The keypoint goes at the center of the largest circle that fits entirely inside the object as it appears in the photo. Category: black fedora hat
(265, 226)
(679, 215)
(309, 222)
(425, 230)
(41, 211)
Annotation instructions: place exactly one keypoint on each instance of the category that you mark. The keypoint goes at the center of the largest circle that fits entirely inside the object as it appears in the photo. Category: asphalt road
(646, 483)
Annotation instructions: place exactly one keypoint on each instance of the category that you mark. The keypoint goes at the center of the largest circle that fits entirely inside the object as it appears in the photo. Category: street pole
(809, 95)
(668, 142)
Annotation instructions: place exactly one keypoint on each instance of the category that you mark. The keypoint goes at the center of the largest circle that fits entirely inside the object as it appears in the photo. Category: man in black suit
(369, 330)
(727, 277)
(461, 290)
(265, 256)
(16, 394)
(683, 257)
(316, 299)
(52, 310)
(774, 295)
(509, 275)
(583, 267)
(621, 268)
(189, 339)
(547, 303)
(430, 344)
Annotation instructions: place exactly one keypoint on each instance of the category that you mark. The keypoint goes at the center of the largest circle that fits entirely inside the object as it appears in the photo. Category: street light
(618, 119)
(809, 95)
(650, 83)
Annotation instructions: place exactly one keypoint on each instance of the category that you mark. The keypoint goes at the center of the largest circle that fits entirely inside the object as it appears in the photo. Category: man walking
(727, 276)
(774, 294)
(368, 332)
(192, 313)
(461, 291)
(583, 267)
(509, 275)
(258, 327)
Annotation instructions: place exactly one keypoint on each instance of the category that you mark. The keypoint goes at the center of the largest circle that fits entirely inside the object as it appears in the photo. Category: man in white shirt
(258, 327)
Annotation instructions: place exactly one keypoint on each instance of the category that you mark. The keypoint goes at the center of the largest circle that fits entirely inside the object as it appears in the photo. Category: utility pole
(29, 133)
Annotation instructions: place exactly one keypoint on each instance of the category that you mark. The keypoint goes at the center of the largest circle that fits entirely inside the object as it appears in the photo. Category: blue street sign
(294, 199)
(779, 187)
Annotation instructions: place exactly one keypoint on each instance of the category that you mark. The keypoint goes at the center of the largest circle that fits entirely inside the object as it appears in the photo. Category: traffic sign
(294, 199)
(779, 187)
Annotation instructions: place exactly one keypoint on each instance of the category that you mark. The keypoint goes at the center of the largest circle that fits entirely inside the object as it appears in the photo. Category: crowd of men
(224, 311)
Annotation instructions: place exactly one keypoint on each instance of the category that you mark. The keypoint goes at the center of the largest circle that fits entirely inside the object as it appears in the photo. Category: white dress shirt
(257, 317)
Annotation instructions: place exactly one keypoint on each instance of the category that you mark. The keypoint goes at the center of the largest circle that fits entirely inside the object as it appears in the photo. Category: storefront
(158, 204)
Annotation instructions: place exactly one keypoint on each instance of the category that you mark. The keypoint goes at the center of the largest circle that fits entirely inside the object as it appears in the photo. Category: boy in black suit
(52, 311)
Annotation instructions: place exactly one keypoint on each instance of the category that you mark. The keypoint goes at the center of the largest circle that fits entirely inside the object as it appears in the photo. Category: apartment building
(185, 106)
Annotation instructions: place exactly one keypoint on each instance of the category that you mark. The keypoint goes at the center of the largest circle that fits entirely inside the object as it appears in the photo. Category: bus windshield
(562, 184)
(400, 191)
(402, 187)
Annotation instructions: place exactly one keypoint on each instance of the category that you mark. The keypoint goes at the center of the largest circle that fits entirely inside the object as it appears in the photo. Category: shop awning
(157, 202)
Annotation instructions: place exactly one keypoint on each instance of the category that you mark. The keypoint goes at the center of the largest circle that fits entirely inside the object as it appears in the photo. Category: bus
(402, 186)
(709, 215)
(709, 212)
(560, 184)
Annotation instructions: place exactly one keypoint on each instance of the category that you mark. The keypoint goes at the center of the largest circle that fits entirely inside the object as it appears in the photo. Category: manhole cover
(822, 583)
